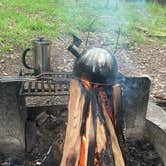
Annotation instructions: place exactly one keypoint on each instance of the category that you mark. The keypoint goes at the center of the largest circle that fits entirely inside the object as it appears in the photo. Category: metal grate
(47, 84)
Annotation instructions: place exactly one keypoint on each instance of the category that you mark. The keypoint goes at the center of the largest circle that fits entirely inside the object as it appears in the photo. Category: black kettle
(95, 64)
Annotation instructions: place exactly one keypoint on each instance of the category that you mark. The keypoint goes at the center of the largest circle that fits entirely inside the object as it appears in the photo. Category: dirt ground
(146, 59)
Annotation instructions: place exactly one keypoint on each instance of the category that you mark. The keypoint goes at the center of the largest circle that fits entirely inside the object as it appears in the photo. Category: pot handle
(24, 58)
(73, 47)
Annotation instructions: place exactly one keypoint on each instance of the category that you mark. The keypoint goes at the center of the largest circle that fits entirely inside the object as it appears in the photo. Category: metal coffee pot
(40, 54)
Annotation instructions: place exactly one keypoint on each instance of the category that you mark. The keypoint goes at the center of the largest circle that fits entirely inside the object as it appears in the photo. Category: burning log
(73, 139)
(91, 129)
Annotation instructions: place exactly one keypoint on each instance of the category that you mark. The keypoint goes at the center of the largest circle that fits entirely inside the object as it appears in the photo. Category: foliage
(21, 21)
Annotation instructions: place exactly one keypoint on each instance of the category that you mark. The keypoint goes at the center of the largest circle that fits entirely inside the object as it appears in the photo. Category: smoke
(107, 16)
(103, 19)
(118, 10)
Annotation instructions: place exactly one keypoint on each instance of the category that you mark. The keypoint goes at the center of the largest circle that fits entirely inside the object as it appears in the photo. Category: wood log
(119, 117)
(90, 137)
(104, 154)
(116, 95)
(75, 113)
(105, 158)
(118, 158)
(41, 118)
(100, 136)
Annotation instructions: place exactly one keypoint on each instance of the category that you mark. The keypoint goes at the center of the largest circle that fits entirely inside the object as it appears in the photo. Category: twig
(90, 27)
(45, 156)
(117, 41)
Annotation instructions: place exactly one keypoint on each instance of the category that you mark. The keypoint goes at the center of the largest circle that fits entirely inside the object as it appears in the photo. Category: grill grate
(47, 84)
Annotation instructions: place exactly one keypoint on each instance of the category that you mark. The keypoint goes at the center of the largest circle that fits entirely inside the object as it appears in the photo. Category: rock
(4, 73)
(12, 119)
(2, 61)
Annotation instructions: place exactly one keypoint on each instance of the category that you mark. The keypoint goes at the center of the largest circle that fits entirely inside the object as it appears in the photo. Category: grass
(21, 21)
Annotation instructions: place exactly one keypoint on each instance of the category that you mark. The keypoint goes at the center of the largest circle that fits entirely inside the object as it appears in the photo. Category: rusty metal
(47, 84)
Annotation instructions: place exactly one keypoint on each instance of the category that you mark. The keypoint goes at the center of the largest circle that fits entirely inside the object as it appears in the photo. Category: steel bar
(47, 84)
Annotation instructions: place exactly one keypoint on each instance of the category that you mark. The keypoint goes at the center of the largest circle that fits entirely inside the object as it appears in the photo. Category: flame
(82, 152)
(86, 83)
(82, 158)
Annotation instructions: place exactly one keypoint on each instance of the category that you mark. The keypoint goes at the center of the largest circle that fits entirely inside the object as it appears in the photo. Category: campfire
(94, 134)
(94, 129)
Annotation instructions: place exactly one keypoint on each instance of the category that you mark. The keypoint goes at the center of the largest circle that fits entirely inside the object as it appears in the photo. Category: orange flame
(86, 83)
(87, 86)
(82, 152)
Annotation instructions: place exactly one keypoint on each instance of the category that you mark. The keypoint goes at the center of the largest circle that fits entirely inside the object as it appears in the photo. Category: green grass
(21, 21)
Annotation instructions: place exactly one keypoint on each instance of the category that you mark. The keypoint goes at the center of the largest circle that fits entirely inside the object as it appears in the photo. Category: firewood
(41, 118)
(118, 158)
(116, 94)
(100, 136)
(105, 155)
(75, 113)
(101, 142)
(90, 139)
(119, 117)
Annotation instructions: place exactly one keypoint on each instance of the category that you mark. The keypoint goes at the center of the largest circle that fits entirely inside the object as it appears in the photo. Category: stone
(12, 118)
(156, 129)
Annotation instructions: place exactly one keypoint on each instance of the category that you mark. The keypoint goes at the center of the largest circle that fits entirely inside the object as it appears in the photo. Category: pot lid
(41, 40)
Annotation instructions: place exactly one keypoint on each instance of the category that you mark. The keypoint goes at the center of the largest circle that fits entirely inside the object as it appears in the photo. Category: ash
(49, 146)
(142, 153)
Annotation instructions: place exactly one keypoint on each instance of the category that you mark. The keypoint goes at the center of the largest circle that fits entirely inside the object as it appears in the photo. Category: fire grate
(47, 84)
